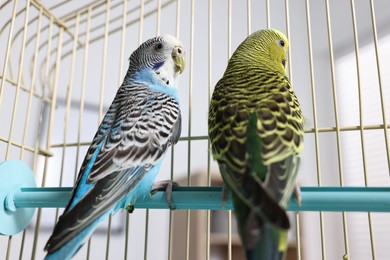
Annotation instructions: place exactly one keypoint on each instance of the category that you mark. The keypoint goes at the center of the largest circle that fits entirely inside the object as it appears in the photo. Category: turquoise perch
(357, 199)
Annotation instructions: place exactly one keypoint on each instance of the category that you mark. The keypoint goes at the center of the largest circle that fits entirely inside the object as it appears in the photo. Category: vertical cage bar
(249, 17)
(33, 73)
(25, 131)
(141, 22)
(123, 41)
(40, 126)
(18, 83)
(82, 99)
(314, 107)
(120, 78)
(83, 85)
(361, 123)
(229, 49)
(209, 93)
(140, 33)
(46, 74)
(88, 248)
(290, 75)
(298, 236)
(102, 87)
(375, 35)
(104, 59)
(336, 114)
(146, 234)
(170, 224)
(229, 247)
(16, 99)
(7, 50)
(267, 14)
(178, 9)
(192, 29)
(69, 99)
(287, 14)
(51, 122)
(158, 17)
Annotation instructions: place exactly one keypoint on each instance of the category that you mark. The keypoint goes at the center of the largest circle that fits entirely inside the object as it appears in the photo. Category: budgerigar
(126, 153)
(256, 133)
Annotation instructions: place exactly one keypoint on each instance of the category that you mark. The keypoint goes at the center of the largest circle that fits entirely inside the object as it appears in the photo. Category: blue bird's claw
(166, 185)
(130, 208)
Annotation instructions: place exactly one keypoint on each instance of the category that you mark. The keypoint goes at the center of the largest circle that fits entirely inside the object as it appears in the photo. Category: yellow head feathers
(266, 47)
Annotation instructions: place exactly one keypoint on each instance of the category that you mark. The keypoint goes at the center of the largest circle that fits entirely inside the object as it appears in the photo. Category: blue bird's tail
(68, 250)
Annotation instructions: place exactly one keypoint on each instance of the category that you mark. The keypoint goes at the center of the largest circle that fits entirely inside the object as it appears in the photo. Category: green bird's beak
(179, 59)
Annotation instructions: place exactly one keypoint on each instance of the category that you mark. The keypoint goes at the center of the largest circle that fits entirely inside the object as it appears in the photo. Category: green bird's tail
(271, 244)
(261, 239)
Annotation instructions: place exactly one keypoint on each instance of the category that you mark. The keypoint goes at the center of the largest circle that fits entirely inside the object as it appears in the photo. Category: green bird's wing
(256, 137)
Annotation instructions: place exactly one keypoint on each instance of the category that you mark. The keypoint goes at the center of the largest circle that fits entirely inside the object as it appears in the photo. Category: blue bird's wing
(133, 137)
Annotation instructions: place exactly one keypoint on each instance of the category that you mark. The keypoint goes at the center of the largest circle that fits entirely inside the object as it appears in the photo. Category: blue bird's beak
(179, 59)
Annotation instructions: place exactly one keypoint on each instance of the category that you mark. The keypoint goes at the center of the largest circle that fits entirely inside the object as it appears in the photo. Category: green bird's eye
(282, 43)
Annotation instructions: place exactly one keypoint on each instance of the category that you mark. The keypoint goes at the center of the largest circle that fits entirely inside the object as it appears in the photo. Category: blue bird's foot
(130, 208)
(166, 185)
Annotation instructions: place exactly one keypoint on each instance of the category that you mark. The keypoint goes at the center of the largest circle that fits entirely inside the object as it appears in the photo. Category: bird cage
(61, 63)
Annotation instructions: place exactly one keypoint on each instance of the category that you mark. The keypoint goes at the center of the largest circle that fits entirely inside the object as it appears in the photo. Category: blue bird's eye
(282, 43)
(158, 46)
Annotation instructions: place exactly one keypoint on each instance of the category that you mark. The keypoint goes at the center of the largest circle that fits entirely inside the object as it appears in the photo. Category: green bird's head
(266, 47)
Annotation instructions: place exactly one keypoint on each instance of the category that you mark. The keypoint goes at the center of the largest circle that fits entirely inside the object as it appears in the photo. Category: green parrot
(256, 133)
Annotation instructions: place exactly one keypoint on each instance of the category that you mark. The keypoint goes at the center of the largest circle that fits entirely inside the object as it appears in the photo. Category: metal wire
(377, 57)
(16, 99)
(170, 235)
(290, 75)
(69, 100)
(141, 24)
(100, 114)
(188, 213)
(248, 17)
(336, 114)
(38, 221)
(50, 126)
(121, 60)
(172, 170)
(314, 107)
(8, 50)
(170, 224)
(209, 93)
(267, 13)
(27, 118)
(83, 86)
(204, 137)
(229, 49)
(361, 120)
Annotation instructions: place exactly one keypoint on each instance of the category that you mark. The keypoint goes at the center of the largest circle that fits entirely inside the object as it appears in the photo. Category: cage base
(13, 176)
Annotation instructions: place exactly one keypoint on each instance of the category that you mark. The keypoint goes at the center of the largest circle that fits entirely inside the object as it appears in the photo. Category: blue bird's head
(159, 60)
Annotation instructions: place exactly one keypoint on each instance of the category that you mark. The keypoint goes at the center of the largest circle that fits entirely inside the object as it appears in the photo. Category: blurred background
(61, 63)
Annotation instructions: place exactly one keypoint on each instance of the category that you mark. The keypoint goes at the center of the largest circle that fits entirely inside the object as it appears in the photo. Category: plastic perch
(20, 197)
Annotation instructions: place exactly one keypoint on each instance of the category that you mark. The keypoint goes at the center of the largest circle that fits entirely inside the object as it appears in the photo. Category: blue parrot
(126, 153)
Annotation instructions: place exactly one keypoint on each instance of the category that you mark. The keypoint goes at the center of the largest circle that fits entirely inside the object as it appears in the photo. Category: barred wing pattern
(269, 101)
(133, 137)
